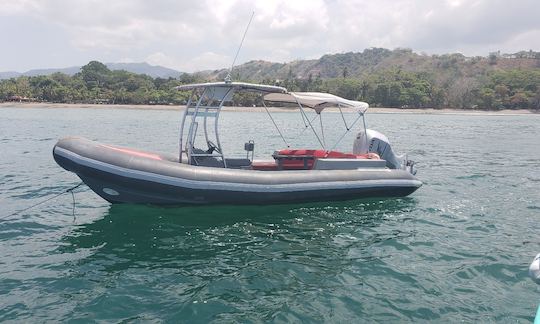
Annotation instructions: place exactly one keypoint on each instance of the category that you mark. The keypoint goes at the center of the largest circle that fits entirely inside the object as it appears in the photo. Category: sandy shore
(447, 111)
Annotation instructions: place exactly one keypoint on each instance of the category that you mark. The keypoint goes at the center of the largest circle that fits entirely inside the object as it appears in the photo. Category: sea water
(456, 250)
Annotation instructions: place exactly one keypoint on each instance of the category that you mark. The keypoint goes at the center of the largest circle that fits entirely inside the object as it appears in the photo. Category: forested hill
(387, 78)
(400, 77)
(361, 65)
(154, 71)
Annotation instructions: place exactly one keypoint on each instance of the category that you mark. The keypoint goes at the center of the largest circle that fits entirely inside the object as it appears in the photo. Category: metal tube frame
(310, 125)
(304, 128)
(191, 136)
(348, 129)
(275, 125)
(203, 103)
(365, 131)
(193, 125)
(322, 129)
(182, 125)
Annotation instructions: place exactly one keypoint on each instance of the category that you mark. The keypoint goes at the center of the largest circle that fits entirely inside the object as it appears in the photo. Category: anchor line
(70, 190)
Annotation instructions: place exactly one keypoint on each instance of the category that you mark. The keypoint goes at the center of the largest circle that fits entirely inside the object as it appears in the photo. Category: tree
(22, 86)
(492, 58)
(345, 73)
(519, 101)
(535, 102)
(8, 88)
(501, 90)
(461, 93)
(487, 99)
(95, 74)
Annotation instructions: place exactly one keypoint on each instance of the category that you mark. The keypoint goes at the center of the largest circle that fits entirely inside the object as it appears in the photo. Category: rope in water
(70, 190)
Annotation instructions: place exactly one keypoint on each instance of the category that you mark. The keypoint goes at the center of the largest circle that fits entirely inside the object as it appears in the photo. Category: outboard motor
(379, 143)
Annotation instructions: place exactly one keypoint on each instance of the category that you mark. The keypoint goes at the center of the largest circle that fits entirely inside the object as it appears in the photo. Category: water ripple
(456, 251)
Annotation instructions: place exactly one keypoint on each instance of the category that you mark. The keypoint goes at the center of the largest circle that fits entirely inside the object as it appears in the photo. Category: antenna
(228, 77)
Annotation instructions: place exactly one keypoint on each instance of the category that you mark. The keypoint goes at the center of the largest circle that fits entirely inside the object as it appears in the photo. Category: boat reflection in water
(137, 235)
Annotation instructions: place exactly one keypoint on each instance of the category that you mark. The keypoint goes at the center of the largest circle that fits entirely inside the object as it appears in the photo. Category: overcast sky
(204, 34)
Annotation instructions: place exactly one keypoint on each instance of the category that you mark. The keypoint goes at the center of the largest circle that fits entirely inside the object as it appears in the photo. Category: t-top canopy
(316, 100)
(235, 85)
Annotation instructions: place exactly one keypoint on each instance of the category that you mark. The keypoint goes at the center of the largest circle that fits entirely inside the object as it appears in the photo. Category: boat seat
(209, 161)
(237, 163)
(302, 159)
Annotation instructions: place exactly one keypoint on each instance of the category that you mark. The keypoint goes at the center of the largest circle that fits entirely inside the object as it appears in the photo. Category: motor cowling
(372, 141)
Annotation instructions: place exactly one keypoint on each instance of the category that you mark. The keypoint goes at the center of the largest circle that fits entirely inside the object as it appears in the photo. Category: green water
(456, 250)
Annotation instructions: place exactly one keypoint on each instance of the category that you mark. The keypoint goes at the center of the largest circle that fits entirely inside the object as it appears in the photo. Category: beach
(375, 110)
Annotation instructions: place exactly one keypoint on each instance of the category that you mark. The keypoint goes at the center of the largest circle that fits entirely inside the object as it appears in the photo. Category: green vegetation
(512, 89)
(95, 83)
(384, 78)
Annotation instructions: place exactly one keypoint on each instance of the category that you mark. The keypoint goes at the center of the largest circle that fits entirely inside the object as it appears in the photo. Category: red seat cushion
(302, 158)
(314, 153)
(322, 154)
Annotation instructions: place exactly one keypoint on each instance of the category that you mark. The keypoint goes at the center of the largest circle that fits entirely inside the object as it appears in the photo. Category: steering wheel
(212, 147)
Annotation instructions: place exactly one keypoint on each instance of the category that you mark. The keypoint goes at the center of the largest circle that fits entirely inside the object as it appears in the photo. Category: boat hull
(121, 175)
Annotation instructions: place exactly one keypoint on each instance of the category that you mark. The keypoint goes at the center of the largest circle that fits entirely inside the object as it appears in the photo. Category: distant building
(101, 101)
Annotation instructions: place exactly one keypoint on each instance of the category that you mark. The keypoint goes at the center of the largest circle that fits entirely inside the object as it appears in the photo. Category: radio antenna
(228, 77)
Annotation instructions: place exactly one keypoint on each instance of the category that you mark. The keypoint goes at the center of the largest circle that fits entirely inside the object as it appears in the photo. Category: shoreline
(372, 110)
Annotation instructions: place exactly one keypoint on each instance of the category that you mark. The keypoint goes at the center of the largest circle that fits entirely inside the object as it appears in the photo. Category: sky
(199, 35)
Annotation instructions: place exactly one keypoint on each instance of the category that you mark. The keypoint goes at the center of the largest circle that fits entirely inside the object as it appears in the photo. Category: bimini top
(317, 100)
(234, 85)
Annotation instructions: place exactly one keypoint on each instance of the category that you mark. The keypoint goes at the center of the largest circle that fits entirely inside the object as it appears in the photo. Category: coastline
(372, 110)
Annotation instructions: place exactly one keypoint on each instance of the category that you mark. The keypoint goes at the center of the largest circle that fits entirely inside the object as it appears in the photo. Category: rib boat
(201, 173)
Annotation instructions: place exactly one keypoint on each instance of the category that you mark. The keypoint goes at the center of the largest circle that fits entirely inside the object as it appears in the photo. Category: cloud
(158, 58)
(523, 41)
(473, 25)
(198, 35)
(8, 7)
(208, 60)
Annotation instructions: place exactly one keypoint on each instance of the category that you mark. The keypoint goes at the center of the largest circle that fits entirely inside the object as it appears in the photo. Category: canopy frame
(207, 99)
(310, 124)
(204, 105)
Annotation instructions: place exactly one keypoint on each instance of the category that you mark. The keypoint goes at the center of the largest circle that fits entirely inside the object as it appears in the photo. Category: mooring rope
(70, 190)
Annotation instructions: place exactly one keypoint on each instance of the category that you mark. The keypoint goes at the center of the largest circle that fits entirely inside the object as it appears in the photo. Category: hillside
(154, 71)
(382, 77)
(401, 77)
(361, 64)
